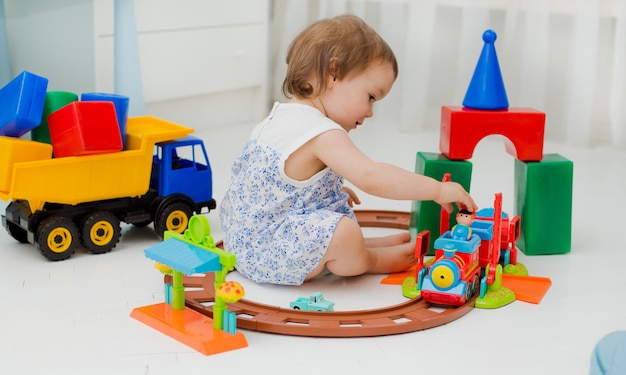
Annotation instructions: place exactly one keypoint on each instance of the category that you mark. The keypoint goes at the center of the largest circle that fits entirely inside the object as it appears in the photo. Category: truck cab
(182, 167)
(182, 177)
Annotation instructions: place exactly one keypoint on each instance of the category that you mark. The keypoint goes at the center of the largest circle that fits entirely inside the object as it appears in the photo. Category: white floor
(72, 317)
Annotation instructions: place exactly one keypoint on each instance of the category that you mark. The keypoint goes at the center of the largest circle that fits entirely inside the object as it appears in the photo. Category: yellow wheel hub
(101, 233)
(59, 239)
(177, 221)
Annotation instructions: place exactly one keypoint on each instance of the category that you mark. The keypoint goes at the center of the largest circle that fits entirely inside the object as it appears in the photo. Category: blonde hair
(346, 40)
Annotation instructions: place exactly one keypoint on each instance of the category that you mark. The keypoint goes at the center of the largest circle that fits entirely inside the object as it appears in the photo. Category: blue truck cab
(182, 166)
(182, 181)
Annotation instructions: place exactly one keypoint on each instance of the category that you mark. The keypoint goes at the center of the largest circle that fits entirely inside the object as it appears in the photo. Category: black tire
(57, 238)
(175, 217)
(296, 308)
(472, 287)
(101, 232)
(16, 232)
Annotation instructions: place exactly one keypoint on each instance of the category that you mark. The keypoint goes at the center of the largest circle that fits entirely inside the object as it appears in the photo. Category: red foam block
(84, 128)
(462, 128)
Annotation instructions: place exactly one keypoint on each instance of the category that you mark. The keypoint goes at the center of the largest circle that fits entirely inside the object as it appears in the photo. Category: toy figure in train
(462, 230)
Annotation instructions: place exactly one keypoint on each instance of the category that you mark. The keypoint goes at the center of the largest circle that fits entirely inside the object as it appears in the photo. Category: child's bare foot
(393, 259)
(387, 241)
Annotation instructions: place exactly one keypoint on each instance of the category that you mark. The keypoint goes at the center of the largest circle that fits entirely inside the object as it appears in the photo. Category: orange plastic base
(398, 277)
(527, 288)
(189, 327)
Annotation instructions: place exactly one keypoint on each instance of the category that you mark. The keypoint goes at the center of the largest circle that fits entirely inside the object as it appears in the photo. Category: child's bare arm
(337, 151)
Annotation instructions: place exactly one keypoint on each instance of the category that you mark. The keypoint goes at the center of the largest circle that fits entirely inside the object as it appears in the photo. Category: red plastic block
(462, 128)
(83, 128)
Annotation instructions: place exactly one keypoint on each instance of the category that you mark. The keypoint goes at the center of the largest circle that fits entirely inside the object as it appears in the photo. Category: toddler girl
(286, 215)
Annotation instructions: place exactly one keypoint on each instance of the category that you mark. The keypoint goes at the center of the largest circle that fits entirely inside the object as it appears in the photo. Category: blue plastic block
(486, 89)
(22, 104)
(120, 102)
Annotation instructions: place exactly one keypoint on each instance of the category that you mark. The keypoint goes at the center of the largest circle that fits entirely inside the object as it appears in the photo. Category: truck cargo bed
(77, 179)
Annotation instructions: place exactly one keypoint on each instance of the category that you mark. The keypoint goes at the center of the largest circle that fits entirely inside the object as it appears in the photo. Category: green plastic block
(425, 214)
(54, 100)
(543, 200)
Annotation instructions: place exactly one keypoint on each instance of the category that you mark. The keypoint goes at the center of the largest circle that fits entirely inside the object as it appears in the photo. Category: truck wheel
(101, 232)
(175, 217)
(57, 238)
(16, 232)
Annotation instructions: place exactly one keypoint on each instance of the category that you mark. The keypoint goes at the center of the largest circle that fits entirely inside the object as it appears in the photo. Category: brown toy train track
(413, 315)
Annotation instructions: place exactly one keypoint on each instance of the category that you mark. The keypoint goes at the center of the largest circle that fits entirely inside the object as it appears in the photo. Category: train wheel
(57, 238)
(16, 232)
(101, 232)
(472, 287)
(476, 283)
(175, 217)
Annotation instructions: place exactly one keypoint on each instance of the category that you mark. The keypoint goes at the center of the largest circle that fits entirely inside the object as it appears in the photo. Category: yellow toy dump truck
(162, 176)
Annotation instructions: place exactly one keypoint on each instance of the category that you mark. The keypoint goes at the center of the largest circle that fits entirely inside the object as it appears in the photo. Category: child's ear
(332, 68)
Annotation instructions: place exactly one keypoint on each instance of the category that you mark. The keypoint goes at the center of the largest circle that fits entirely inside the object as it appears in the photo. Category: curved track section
(413, 315)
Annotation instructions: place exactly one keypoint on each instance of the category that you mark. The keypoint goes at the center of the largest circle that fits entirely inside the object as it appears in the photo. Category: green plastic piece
(518, 269)
(425, 214)
(496, 295)
(54, 100)
(178, 291)
(409, 288)
(543, 200)
(495, 298)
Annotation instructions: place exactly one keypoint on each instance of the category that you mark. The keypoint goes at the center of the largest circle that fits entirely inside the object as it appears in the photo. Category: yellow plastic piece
(87, 178)
(14, 151)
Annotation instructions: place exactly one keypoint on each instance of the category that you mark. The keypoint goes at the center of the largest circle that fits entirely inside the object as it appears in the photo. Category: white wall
(203, 62)
(52, 39)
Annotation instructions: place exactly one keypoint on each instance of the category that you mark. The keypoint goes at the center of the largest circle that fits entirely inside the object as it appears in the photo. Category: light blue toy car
(314, 302)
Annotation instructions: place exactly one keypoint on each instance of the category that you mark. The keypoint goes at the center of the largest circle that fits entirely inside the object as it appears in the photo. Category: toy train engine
(454, 276)
(467, 261)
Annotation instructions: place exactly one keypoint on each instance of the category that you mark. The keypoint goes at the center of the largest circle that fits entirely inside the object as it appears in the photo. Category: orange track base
(398, 277)
(189, 327)
(527, 288)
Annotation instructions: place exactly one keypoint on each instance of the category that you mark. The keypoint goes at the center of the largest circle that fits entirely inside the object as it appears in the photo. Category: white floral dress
(280, 228)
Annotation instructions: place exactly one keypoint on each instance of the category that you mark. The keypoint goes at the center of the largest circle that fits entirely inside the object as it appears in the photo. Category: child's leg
(348, 254)
(390, 240)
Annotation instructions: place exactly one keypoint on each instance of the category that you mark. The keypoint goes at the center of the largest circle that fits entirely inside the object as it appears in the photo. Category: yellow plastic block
(16, 150)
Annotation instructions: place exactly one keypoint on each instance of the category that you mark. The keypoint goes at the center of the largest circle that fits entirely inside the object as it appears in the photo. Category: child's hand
(452, 192)
(352, 197)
